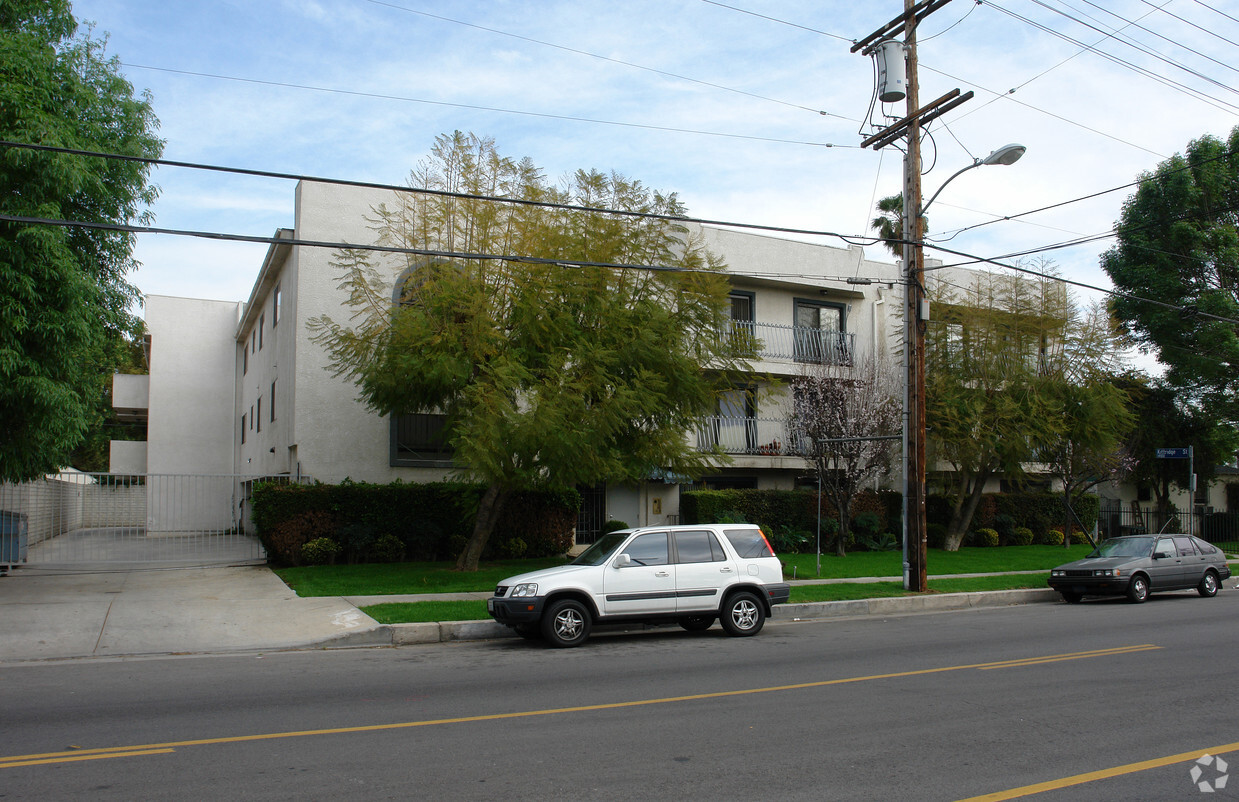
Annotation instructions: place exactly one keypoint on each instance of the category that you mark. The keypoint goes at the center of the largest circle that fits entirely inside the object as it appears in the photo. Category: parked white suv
(684, 574)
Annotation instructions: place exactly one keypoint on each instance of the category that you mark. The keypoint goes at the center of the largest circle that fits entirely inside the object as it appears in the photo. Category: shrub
(319, 551)
(283, 543)
(785, 540)
(613, 526)
(935, 535)
(985, 537)
(1004, 525)
(883, 542)
(867, 525)
(1022, 536)
(1052, 537)
(387, 549)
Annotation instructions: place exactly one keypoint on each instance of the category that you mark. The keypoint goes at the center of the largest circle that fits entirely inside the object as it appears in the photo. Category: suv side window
(648, 549)
(698, 547)
(748, 543)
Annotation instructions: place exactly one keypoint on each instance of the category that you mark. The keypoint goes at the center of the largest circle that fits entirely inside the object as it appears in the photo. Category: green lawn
(384, 579)
(414, 612)
(402, 578)
(964, 561)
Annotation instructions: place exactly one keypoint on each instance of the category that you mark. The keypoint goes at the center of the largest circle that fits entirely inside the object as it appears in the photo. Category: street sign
(1173, 453)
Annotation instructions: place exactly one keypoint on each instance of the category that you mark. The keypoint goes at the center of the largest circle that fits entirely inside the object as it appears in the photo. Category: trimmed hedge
(1012, 515)
(420, 522)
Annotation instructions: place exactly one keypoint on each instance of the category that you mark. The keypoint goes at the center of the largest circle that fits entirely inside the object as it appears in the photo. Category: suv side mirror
(623, 561)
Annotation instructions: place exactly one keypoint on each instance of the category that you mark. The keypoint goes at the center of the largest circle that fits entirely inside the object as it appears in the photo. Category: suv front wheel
(566, 623)
(743, 615)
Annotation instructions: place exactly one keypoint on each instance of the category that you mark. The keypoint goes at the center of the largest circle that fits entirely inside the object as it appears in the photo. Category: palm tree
(889, 224)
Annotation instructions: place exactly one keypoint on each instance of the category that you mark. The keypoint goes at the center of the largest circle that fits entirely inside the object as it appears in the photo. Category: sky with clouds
(751, 110)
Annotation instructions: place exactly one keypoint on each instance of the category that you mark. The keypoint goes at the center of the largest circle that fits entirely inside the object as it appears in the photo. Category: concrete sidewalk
(47, 614)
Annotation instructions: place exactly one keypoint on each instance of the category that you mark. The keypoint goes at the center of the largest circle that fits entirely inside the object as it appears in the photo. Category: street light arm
(957, 174)
(1007, 154)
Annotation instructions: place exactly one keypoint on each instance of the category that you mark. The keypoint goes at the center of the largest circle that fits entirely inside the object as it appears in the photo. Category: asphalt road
(920, 707)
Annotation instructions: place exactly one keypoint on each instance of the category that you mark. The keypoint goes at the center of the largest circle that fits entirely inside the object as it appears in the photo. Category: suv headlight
(526, 589)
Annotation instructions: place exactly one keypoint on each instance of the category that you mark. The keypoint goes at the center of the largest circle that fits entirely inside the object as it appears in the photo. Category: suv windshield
(598, 553)
(1124, 547)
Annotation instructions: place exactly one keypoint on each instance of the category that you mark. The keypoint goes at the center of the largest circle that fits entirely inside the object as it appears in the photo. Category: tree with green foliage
(64, 292)
(889, 224)
(1178, 244)
(1164, 419)
(1010, 364)
(548, 374)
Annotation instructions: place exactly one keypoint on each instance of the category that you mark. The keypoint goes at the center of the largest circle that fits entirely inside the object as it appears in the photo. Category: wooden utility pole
(915, 540)
(914, 341)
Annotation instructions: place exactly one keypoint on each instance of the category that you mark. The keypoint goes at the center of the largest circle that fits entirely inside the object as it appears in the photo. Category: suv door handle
(726, 569)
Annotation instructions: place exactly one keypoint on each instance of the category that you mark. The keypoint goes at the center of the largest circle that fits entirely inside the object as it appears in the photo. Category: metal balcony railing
(796, 343)
(751, 436)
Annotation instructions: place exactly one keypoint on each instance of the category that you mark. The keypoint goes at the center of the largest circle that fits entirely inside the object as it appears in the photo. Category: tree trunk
(965, 508)
(1066, 516)
(841, 538)
(489, 508)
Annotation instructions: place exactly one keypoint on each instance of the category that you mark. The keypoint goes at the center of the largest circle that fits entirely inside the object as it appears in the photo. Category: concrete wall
(190, 428)
(127, 457)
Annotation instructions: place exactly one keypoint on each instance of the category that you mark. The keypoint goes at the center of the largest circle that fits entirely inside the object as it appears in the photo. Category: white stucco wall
(190, 428)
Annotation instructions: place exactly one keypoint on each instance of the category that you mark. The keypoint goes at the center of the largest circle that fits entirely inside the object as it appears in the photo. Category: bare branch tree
(840, 415)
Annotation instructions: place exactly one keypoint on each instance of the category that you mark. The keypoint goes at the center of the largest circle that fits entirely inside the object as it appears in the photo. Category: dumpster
(13, 538)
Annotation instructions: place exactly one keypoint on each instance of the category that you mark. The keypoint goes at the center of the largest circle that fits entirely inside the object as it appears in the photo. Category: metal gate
(91, 520)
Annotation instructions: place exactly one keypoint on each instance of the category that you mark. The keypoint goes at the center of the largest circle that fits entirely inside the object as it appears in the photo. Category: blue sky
(1089, 123)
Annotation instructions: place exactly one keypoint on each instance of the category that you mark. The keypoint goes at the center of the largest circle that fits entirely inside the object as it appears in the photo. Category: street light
(914, 355)
(1007, 154)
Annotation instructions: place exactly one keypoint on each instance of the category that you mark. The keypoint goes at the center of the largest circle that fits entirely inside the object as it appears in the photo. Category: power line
(1008, 96)
(1211, 8)
(1197, 94)
(605, 58)
(1137, 46)
(472, 107)
(1194, 25)
(779, 21)
(516, 258)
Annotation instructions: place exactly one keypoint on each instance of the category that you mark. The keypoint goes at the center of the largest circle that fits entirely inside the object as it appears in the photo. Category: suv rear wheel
(566, 623)
(743, 615)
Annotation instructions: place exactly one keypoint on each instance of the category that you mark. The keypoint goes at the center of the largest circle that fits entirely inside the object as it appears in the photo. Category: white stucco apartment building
(241, 389)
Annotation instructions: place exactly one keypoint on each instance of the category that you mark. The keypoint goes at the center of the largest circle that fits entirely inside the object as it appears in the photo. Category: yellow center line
(9, 763)
(1103, 774)
(50, 757)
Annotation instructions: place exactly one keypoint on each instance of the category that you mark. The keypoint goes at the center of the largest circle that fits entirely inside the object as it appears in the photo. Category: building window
(262, 319)
(253, 341)
(245, 359)
(258, 417)
(251, 417)
(419, 440)
(273, 399)
(275, 307)
(818, 332)
(242, 429)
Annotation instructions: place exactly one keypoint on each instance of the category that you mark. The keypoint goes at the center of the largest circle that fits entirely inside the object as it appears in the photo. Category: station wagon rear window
(748, 543)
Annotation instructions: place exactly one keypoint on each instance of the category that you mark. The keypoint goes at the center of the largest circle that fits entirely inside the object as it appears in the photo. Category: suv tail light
(763, 537)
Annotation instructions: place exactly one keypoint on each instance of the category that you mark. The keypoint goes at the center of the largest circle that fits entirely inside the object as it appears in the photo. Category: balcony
(794, 343)
(757, 437)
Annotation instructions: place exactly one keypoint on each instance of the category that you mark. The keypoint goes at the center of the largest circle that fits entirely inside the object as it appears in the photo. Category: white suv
(684, 574)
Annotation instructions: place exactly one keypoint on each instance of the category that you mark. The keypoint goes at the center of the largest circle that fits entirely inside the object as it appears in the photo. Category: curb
(445, 631)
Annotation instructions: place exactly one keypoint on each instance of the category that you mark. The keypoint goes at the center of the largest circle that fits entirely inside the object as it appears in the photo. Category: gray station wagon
(1138, 565)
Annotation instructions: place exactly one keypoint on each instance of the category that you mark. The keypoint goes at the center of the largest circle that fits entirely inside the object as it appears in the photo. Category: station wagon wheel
(566, 623)
(697, 623)
(1208, 584)
(1138, 590)
(743, 615)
